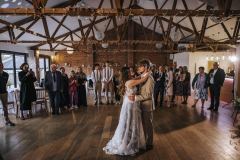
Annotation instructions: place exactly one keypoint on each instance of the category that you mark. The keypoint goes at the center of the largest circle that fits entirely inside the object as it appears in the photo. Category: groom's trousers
(147, 121)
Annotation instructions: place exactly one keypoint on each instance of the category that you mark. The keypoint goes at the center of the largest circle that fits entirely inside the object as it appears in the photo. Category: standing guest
(81, 82)
(97, 84)
(53, 84)
(4, 94)
(159, 86)
(108, 82)
(65, 89)
(175, 71)
(200, 85)
(116, 81)
(179, 78)
(102, 68)
(73, 90)
(186, 85)
(27, 89)
(216, 80)
(169, 87)
(132, 73)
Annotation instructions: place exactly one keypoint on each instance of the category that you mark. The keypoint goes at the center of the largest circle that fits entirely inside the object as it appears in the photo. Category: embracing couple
(135, 128)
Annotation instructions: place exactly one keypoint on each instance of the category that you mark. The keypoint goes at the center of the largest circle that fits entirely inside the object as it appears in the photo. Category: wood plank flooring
(180, 133)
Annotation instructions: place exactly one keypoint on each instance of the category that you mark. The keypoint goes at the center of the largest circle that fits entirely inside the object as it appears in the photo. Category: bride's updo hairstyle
(124, 79)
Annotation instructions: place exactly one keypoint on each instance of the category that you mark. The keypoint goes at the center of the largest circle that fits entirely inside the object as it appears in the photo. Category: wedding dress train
(129, 135)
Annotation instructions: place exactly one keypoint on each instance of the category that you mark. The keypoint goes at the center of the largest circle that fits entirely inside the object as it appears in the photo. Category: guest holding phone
(27, 89)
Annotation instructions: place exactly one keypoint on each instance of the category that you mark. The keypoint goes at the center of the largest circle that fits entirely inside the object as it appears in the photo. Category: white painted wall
(182, 59)
(193, 60)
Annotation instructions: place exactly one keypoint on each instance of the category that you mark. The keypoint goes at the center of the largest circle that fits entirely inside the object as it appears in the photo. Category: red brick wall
(121, 58)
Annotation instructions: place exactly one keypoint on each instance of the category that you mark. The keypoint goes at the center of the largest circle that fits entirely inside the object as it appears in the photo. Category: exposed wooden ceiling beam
(28, 27)
(226, 31)
(236, 30)
(56, 20)
(18, 23)
(116, 12)
(68, 33)
(93, 21)
(117, 3)
(11, 35)
(164, 4)
(81, 27)
(54, 48)
(162, 28)
(37, 4)
(22, 29)
(171, 20)
(45, 25)
(58, 27)
(31, 18)
(203, 29)
(194, 9)
(116, 42)
(191, 20)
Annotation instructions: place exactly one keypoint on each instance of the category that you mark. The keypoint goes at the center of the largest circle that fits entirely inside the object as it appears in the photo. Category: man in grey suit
(53, 84)
(145, 97)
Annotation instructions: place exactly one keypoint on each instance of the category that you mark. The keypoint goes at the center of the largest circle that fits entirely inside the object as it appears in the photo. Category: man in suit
(145, 97)
(159, 87)
(108, 82)
(4, 95)
(53, 84)
(216, 80)
(97, 84)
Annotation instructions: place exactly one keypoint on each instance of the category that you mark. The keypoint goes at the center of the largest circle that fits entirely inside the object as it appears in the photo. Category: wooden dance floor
(180, 133)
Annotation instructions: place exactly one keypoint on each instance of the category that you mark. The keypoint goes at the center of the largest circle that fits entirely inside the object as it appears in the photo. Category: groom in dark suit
(216, 80)
(53, 84)
(159, 86)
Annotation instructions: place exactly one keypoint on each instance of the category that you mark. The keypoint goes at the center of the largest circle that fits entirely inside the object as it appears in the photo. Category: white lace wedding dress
(129, 135)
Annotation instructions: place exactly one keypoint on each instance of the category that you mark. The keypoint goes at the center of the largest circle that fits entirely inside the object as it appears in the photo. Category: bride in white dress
(129, 135)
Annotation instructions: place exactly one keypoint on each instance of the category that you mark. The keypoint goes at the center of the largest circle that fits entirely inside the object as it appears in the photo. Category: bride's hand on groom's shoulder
(131, 97)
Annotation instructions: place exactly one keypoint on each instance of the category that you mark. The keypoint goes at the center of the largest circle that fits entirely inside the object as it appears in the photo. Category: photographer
(27, 89)
(4, 95)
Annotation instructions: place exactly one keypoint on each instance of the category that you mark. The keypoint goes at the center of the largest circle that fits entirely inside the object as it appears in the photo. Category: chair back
(41, 93)
(17, 96)
(11, 97)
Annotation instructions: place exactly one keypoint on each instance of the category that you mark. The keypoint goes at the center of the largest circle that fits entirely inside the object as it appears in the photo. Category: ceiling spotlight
(6, 0)
(19, 3)
(13, 1)
(5, 5)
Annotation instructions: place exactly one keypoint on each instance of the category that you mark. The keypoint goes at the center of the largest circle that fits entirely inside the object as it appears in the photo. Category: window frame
(45, 58)
(14, 54)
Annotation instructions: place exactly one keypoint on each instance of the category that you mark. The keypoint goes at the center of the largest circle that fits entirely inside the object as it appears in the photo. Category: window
(44, 65)
(11, 62)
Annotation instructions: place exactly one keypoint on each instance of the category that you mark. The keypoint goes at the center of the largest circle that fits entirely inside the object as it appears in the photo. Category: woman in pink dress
(73, 90)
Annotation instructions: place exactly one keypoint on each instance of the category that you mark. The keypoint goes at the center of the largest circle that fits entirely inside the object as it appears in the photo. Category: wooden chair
(41, 99)
(10, 102)
(17, 102)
